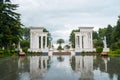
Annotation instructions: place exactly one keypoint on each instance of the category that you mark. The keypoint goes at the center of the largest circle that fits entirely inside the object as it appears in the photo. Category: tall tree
(9, 24)
(109, 35)
(116, 32)
(95, 35)
(102, 32)
(116, 36)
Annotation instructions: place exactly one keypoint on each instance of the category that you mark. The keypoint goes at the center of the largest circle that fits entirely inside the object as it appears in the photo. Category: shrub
(1, 51)
(117, 51)
(99, 49)
(59, 48)
(25, 49)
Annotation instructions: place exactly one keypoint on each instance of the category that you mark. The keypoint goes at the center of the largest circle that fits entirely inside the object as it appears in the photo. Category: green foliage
(6, 53)
(59, 48)
(25, 44)
(25, 49)
(116, 32)
(60, 41)
(1, 51)
(109, 35)
(72, 37)
(115, 45)
(9, 24)
(25, 33)
(95, 35)
(116, 36)
(102, 32)
(45, 30)
(97, 43)
(99, 49)
(67, 46)
(117, 51)
(114, 53)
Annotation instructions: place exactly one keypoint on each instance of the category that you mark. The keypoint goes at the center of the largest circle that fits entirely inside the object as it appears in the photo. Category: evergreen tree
(109, 35)
(9, 24)
(102, 32)
(95, 35)
(116, 32)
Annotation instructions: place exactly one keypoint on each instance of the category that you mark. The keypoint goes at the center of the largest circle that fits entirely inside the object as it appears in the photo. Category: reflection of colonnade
(84, 64)
(38, 66)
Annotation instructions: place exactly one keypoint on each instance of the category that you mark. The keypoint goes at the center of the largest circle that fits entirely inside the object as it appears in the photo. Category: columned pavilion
(83, 40)
(38, 39)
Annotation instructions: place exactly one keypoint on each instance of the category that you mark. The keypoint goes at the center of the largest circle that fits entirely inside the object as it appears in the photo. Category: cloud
(60, 17)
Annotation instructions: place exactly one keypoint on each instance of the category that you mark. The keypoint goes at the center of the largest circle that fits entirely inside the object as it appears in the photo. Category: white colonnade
(83, 39)
(38, 39)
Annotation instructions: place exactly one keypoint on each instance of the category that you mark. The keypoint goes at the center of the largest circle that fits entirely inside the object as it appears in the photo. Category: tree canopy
(10, 24)
(60, 41)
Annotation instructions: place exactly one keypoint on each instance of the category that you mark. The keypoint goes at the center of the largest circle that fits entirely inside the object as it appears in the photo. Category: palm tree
(60, 41)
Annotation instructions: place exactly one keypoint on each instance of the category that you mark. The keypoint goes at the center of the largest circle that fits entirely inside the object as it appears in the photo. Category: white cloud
(60, 17)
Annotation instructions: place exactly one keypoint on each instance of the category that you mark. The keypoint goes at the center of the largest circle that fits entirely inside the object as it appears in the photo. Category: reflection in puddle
(84, 65)
(38, 66)
(60, 68)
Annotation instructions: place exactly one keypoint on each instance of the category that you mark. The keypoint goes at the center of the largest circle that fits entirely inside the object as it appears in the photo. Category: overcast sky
(60, 17)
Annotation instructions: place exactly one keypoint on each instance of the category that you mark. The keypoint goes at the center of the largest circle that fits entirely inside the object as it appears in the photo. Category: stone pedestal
(106, 49)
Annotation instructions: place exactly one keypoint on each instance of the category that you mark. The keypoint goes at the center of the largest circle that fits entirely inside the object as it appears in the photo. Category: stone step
(61, 53)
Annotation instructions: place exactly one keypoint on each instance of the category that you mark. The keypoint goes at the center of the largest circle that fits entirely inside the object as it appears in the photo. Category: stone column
(85, 41)
(41, 42)
(80, 41)
(41, 63)
(89, 38)
(31, 40)
(45, 63)
(37, 41)
(75, 41)
(45, 42)
(91, 46)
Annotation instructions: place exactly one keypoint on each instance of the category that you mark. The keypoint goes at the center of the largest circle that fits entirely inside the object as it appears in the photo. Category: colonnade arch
(83, 39)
